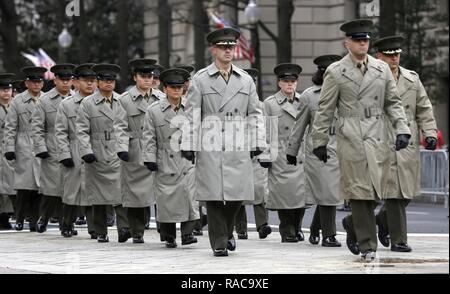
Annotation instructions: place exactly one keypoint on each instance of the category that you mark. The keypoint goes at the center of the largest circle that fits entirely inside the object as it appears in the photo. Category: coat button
(223, 130)
(172, 175)
(220, 110)
(106, 147)
(236, 110)
(170, 137)
(286, 128)
(328, 157)
(223, 148)
(184, 173)
(142, 127)
(171, 156)
(300, 162)
(407, 106)
(376, 98)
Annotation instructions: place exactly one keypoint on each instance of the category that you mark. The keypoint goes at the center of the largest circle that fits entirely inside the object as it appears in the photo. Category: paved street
(25, 252)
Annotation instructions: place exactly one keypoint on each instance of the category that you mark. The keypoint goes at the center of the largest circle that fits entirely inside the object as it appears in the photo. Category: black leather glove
(431, 143)
(189, 155)
(152, 166)
(10, 155)
(68, 162)
(402, 141)
(292, 160)
(256, 152)
(43, 155)
(321, 153)
(89, 158)
(265, 164)
(124, 156)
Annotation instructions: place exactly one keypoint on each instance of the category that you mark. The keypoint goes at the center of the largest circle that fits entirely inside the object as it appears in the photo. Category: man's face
(106, 84)
(288, 85)
(144, 81)
(174, 91)
(86, 85)
(6, 94)
(223, 53)
(392, 59)
(63, 85)
(34, 86)
(358, 47)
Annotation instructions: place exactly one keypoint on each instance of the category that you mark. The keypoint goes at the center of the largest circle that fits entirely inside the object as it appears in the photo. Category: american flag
(243, 47)
(41, 58)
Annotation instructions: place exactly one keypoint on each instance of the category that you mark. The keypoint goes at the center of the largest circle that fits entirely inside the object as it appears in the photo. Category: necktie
(224, 74)
(146, 97)
(362, 67)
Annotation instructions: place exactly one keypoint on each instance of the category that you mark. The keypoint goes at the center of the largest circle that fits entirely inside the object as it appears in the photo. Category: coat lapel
(373, 72)
(347, 70)
(104, 107)
(404, 82)
(285, 105)
(233, 87)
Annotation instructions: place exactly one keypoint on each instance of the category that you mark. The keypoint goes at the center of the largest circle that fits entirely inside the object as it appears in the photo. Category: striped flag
(41, 58)
(244, 49)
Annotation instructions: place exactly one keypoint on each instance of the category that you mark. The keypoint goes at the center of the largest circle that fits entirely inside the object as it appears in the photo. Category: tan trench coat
(214, 109)
(362, 135)
(44, 140)
(6, 166)
(74, 192)
(18, 139)
(174, 182)
(95, 133)
(136, 181)
(322, 179)
(404, 179)
(286, 182)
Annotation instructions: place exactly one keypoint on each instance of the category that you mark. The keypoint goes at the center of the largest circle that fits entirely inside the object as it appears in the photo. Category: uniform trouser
(261, 218)
(110, 214)
(290, 221)
(168, 230)
(221, 217)
(147, 215)
(137, 218)
(325, 219)
(198, 223)
(158, 225)
(48, 206)
(13, 199)
(100, 215)
(27, 204)
(393, 217)
(70, 213)
(362, 223)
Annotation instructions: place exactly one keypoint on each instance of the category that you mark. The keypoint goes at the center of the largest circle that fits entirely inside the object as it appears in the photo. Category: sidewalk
(25, 252)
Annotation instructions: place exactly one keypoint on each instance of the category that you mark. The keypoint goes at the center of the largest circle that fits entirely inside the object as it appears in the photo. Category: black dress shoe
(170, 242)
(352, 245)
(74, 232)
(18, 226)
(197, 232)
(80, 221)
(264, 231)
(220, 252)
(53, 220)
(314, 239)
(243, 236)
(102, 238)
(188, 239)
(401, 247)
(368, 255)
(147, 226)
(383, 234)
(110, 221)
(41, 225)
(231, 245)
(289, 239)
(124, 235)
(66, 233)
(93, 235)
(33, 229)
(331, 242)
(300, 236)
(138, 239)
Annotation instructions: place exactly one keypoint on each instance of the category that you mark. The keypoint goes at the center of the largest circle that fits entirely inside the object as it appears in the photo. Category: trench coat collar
(77, 98)
(232, 88)
(316, 88)
(103, 107)
(137, 97)
(285, 105)
(167, 110)
(405, 80)
(374, 70)
(135, 93)
(26, 96)
(348, 69)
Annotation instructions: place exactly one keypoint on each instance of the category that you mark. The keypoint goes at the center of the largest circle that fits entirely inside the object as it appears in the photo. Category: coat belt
(367, 113)
(105, 135)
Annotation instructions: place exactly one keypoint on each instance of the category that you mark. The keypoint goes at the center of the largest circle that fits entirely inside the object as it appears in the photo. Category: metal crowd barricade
(434, 174)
